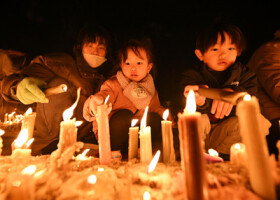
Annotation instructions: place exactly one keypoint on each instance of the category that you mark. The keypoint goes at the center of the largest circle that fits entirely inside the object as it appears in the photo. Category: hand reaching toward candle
(90, 107)
(221, 108)
(200, 100)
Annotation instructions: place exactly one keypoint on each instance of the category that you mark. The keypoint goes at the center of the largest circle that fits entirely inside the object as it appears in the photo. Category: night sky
(40, 26)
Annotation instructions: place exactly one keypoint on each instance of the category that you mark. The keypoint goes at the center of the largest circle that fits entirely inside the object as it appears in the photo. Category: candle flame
(78, 123)
(21, 139)
(2, 132)
(92, 179)
(213, 153)
(100, 169)
(237, 146)
(29, 142)
(190, 102)
(247, 97)
(134, 122)
(31, 169)
(144, 118)
(107, 98)
(28, 112)
(165, 114)
(64, 88)
(68, 113)
(154, 162)
(40, 173)
(146, 196)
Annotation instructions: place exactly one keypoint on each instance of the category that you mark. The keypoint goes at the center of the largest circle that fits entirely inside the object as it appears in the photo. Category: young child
(217, 47)
(130, 90)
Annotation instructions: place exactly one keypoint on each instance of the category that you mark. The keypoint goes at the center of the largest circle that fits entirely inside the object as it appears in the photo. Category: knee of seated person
(124, 113)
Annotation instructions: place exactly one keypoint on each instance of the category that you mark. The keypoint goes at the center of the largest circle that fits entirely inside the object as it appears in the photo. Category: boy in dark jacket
(218, 47)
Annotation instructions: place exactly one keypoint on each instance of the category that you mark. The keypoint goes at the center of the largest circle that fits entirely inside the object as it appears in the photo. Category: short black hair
(135, 45)
(92, 33)
(209, 36)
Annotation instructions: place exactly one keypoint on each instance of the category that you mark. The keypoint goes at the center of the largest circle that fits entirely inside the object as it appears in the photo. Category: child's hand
(221, 108)
(200, 100)
(90, 107)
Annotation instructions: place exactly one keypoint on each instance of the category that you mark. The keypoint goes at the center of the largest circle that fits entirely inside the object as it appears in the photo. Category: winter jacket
(240, 79)
(76, 73)
(266, 63)
(119, 101)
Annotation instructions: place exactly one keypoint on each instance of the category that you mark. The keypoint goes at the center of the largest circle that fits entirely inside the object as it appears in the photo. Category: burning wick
(105, 102)
(154, 162)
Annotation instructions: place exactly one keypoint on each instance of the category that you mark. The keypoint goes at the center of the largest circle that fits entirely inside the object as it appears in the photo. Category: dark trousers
(119, 127)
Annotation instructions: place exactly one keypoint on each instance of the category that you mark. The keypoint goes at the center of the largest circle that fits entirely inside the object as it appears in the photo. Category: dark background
(40, 26)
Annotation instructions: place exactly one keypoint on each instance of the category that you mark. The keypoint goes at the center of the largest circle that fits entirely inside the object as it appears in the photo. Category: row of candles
(190, 145)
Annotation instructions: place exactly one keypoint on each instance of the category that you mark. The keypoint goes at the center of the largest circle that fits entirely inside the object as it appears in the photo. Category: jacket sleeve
(268, 70)
(155, 105)
(248, 82)
(107, 88)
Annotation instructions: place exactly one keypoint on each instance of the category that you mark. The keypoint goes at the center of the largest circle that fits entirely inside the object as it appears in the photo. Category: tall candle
(191, 148)
(1, 141)
(167, 139)
(145, 140)
(260, 175)
(28, 122)
(68, 130)
(104, 133)
(133, 140)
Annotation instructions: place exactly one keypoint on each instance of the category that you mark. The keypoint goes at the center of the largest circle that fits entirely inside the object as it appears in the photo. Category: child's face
(94, 49)
(134, 67)
(219, 56)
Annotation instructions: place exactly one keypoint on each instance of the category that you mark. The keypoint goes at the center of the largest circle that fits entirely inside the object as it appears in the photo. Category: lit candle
(105, 154)
(238, 154)
(20, 152)
(154, 162)
(28, 122)
(145, 140)
(56, 90)
(133, 140)
(68, 130)
(260, 175)
(167, 139)
(192, 152)
(212, 156)
(1, 141)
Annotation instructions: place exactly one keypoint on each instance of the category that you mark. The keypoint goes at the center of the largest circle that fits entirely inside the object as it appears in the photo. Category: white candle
(261, 179)
(1, 140)
(145, 140)
(28, 122)
(105, 154)
(167, 139)
(238, 154)
(192, 152)
(68, 130)
(133, 140)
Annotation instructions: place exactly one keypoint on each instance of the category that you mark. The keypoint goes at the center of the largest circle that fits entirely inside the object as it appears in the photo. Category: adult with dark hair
(87, 68)
(266, 63)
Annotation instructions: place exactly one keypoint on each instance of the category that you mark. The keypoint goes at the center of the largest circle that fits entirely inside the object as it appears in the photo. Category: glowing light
(68, 113)
(31, 169)
(28, 112)
(64, 88)
(165, 114)
(237, 146)
(107, 98)
(134, 122)
(39, 174)
(2, 132)
(154, 162)
(146, 196)
(213, 153)
(78, 123)
(100, 169)
(29, 142)
(21, 139)
(190, 104)
(92, 179)
(144, 118)
(247, 97)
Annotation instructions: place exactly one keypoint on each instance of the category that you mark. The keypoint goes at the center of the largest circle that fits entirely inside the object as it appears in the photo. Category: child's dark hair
(135, 45)
(209, 36)
(92, 33)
